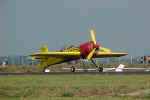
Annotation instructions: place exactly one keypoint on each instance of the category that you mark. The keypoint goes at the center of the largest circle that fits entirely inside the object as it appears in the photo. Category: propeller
(91, 54)
(96, 46)
(93, 35)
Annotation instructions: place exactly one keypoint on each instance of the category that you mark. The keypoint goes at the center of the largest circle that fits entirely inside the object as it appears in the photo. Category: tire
(73, 69)
(100, 69)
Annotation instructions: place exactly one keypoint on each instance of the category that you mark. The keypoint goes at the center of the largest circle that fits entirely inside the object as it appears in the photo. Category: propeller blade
(105, 49)
(91, 54)
(93, 35)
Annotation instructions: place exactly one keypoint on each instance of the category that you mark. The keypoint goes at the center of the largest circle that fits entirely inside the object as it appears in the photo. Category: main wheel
(100, 69)
(73, 69)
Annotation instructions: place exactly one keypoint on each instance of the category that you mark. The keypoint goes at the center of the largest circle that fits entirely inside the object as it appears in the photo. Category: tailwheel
(100, 69)
(73, 69)
(46, 70)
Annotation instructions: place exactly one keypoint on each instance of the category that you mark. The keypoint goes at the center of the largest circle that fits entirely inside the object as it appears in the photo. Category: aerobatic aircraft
(88, 51)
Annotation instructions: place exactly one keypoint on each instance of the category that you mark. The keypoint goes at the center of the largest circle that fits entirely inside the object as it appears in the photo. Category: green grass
(67, 94)
(76, 87)
(59, 67)
(76, 98)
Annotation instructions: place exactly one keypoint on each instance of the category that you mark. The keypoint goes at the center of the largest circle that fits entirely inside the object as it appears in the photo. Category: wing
(109, 54)
(57, 54)
(51, 58)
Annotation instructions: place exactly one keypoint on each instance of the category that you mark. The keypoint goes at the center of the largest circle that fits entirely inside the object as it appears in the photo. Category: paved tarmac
(71, 73)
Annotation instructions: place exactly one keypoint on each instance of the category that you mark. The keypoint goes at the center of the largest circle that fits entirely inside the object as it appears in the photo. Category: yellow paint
(105, 49)
(109, 54)
(92, 35)
(44, 63)
(91, 54)
(43, 49)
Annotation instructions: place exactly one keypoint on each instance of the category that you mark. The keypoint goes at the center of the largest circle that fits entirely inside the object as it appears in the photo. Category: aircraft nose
(96, 46)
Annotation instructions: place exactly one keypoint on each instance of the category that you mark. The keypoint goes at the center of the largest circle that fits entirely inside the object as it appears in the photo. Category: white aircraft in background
(138, 69)
(118, 69)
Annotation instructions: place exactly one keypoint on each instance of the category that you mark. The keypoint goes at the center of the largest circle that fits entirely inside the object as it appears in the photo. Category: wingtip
(125, 53)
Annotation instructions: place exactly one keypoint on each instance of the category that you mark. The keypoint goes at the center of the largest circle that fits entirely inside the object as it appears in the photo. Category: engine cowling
(86, 48)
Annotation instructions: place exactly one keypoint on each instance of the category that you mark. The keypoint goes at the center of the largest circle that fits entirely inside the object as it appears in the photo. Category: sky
(120, 25)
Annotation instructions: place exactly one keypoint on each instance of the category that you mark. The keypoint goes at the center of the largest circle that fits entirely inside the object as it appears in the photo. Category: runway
(73, 73)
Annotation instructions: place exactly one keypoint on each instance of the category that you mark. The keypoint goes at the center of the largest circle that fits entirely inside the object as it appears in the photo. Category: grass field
(74, 87)
(59, 67)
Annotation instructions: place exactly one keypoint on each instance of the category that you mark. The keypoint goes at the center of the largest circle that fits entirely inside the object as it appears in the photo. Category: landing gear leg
(44, 70)
(100, 69)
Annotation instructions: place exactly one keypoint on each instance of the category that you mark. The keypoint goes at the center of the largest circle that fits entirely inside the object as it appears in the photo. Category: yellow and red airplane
(86, 51)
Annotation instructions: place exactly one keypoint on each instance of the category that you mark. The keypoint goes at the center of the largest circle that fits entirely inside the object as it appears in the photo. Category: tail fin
(120, 68)
(43, 60)
(43, 49)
